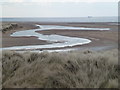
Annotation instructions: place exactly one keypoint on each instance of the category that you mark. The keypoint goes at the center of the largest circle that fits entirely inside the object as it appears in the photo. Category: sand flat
(8, 41)
(99, 38)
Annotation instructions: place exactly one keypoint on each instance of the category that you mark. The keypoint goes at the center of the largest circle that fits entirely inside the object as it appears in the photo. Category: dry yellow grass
(85, 69)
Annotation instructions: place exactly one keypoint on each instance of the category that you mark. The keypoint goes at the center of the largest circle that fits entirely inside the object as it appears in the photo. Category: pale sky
(59, 8)
(59, 0)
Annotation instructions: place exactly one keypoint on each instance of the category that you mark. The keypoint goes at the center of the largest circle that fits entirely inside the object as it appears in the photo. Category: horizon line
(60, 17)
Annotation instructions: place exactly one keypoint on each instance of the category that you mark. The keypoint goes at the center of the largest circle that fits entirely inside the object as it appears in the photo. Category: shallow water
(72, 20)
(63, 41)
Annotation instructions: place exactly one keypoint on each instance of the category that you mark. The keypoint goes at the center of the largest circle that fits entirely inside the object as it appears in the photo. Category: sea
(61, 19)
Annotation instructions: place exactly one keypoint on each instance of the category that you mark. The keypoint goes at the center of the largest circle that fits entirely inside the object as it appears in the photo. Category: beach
(8, 41)
(86, 68)
(99, 38)
(59, 44)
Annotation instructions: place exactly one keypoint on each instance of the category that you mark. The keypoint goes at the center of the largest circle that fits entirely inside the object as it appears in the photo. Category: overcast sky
(59, 8)
(59, 0)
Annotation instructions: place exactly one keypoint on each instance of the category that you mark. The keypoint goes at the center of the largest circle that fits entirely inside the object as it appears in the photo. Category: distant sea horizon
(62, 19)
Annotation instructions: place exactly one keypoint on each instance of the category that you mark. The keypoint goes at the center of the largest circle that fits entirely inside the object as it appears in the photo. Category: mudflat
(8, 41)
(98, 38)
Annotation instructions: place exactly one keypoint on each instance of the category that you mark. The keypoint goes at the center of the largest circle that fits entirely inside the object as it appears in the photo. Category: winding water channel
(63, 41)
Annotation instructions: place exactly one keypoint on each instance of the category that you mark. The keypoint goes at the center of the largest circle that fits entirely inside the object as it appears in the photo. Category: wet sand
(8, 41)
(99, 38)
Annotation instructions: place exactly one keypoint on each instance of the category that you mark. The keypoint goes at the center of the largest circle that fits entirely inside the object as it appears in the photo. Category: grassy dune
(85, 69)
(8, 26)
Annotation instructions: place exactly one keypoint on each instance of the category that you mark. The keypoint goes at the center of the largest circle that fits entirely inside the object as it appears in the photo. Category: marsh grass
(85, 69)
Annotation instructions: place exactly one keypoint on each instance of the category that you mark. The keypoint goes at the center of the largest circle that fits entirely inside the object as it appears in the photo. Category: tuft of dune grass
(83, 69)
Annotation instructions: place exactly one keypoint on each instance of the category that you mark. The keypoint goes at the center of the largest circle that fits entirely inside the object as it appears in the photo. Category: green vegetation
(85, 69)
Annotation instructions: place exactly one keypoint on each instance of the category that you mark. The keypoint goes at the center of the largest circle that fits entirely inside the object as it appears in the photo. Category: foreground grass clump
(83, 69)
